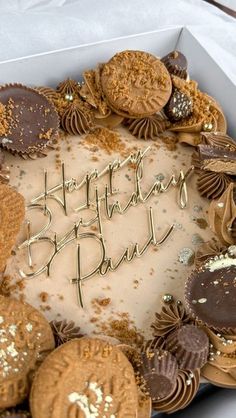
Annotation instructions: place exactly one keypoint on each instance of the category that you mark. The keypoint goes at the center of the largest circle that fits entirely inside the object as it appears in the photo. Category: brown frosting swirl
(170, 318)
(186, 388)
(68, 87)
(147, 128)
(212, 185)
(208, 250)
(218, 139)
(64, 331)
(76, 119)
(50, 93)
(222, 215)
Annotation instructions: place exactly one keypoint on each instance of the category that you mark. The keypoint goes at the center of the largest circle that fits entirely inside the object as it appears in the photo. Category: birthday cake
(118, 225)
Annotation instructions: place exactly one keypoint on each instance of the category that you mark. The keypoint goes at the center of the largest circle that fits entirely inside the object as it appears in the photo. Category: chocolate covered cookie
(135, 84)
(158, 373)
(25, 340)
(179, 106)
(190, 345)
(85, 377)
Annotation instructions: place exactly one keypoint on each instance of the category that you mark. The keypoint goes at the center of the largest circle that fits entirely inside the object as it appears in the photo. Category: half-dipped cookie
(85, 377)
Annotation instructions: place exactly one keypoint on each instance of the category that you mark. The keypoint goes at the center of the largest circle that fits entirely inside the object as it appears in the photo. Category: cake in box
(118, 226)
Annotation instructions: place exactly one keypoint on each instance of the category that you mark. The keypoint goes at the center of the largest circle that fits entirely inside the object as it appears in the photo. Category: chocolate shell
(210, 294)
(33, 123)
(158, 370)
(176, 63)
(190, 345)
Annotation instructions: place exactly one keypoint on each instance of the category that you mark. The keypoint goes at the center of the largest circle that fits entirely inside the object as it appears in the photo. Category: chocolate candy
(158, 372)
(176, 64)
(179, 106)
(190, 345)
(211, 293)
(32, 119)
(216, 159)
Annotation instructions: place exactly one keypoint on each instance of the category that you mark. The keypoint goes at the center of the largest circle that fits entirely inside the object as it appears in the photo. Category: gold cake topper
(93, 201)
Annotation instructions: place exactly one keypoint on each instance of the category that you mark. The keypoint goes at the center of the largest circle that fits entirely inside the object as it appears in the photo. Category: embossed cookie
(12, 212)
(136, 84)
(86, 378)
(25, 339)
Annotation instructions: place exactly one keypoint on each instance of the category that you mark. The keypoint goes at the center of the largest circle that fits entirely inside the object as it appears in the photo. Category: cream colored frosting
(136, 287)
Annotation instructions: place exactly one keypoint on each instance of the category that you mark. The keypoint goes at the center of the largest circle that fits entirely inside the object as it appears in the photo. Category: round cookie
(25, 340)
(136, 84)
(85, 377)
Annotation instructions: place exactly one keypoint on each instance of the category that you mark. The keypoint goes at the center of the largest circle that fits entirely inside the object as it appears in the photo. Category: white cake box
(51, 67)
(48, 69)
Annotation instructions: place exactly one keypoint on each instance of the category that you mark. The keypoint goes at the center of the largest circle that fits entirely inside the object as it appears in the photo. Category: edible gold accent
(100, 204)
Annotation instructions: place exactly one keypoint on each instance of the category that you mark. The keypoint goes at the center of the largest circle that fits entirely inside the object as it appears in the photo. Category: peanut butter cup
(32, 120)
(211, 293)
(158, 370)
(190, 345)
(176, 64)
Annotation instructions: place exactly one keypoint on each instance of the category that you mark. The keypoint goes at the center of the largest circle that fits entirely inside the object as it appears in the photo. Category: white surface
(34, 26)
(228, 3)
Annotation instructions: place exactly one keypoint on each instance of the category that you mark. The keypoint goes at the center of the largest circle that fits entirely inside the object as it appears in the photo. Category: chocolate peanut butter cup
(210, 293)
(158, 370)
(176, 64)
(190, 345)
(32, 120)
